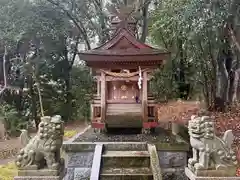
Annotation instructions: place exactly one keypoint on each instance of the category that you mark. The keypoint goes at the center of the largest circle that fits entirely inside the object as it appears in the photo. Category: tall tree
(209, 31)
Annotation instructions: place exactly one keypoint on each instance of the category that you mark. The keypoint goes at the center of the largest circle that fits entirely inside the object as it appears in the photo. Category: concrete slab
(126, 154)
(96, 165)
(155, 165)
(126, 171)
(82, 173)
(192, 176)
(80, 159)
(38, 178)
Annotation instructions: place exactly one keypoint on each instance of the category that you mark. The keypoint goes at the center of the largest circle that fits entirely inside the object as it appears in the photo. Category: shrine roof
(124, 49)
(124, 43)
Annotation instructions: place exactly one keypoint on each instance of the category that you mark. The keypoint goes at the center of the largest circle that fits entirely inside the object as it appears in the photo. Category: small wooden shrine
(122, 67)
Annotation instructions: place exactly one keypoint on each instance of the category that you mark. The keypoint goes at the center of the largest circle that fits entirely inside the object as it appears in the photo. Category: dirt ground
(8, 148)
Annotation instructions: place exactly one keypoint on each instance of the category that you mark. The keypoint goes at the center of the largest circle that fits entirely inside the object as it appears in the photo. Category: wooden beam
(103, 96)
(144, 97)
(98, 87)
(111, 78)
(92, 112)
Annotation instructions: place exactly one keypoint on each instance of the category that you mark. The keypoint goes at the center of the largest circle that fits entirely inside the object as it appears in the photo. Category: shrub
(12, 119)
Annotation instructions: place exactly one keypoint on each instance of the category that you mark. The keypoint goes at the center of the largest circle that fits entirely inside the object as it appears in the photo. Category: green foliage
(42, 41)
(12, 119)
(82, 91)
(162, 85)
(165, 22)
(198, 33)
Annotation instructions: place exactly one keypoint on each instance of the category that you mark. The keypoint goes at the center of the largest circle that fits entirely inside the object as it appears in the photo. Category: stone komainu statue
(210, 151)
(43, 150)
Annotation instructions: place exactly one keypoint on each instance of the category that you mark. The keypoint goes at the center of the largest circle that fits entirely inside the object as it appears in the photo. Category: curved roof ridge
(122, 32)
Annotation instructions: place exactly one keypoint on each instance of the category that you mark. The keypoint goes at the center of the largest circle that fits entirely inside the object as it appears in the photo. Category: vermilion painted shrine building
(123, 67)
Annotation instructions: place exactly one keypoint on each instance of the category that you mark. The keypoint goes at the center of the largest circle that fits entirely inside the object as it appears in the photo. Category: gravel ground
(160, 135)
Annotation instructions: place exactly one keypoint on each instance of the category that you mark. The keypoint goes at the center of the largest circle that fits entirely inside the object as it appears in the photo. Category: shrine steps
(124, 165)
(123, 109)
(124, 116)
(127, 174)
(124, 159)
(128, 164)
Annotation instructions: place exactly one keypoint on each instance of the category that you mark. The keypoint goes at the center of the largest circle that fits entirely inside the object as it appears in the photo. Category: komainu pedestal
(40, 158)
(213, 157)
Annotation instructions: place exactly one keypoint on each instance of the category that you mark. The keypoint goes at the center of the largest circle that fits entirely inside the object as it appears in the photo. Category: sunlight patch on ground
(8, 171)
(69, 133)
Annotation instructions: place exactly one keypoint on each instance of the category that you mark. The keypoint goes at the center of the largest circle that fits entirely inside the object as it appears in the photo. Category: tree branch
(79, 26)
(145, 21)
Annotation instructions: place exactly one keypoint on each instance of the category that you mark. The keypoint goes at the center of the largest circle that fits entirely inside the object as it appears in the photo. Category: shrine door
(123, 91)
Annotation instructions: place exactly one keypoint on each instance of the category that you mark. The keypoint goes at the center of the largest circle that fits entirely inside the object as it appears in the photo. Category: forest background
(41, 73)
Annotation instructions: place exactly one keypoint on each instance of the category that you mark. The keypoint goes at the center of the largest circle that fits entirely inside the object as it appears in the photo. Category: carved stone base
(38, 178)
(209, 175)
(42, 174)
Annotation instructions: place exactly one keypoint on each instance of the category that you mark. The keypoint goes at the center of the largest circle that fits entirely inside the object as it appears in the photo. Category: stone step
(126, 174)
(125, 146)
(126, 154)
(126, 159)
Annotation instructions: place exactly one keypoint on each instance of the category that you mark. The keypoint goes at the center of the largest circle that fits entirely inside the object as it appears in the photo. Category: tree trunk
(183, 87)
(225, 66)
(236, 85)
(68, 97)
(33, 96)
(103, 34)
(145, 22)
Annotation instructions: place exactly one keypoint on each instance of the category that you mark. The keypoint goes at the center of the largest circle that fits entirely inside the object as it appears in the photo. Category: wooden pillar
(103, 96)
(92, 112)
(98, 87)
(144, 97)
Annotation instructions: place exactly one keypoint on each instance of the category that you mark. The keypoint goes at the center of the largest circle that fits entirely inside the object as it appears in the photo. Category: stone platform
(172, 153)
(192, 176)
(42, 174)
(38, 178)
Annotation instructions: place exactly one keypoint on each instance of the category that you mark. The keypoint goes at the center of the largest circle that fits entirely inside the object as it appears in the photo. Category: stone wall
(78, 165)
(172, 164)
